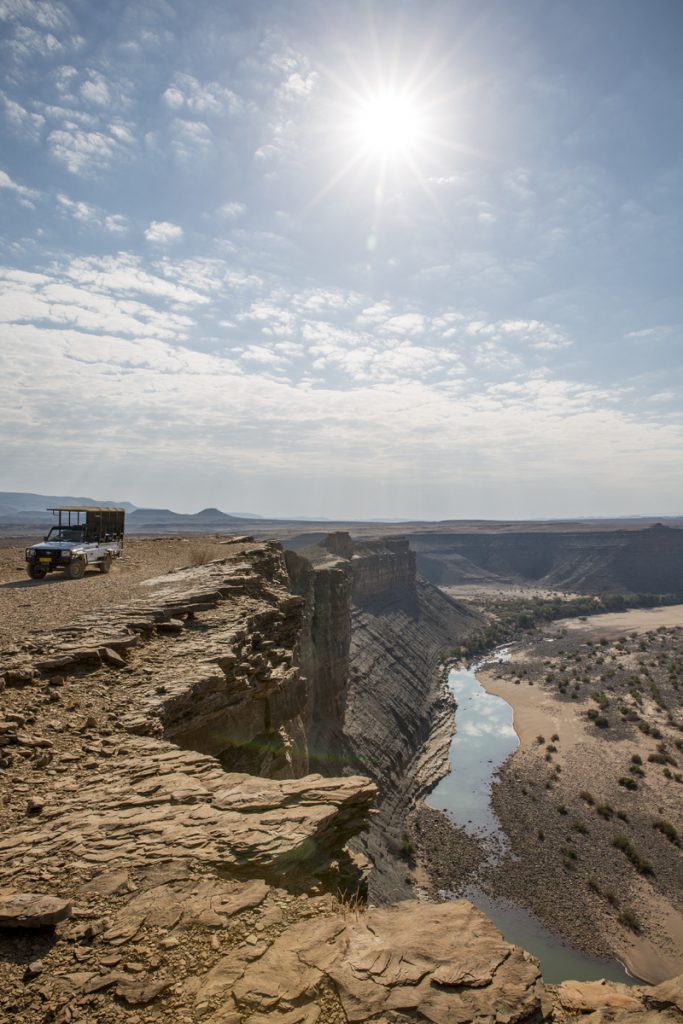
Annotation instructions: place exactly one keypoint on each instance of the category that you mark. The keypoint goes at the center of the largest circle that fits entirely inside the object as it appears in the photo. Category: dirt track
(27, 605)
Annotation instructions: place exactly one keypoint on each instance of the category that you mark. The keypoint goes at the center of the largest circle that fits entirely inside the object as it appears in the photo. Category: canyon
(205, 789)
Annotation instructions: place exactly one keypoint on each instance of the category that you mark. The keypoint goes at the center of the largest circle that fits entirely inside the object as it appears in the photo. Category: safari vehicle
(84, 535)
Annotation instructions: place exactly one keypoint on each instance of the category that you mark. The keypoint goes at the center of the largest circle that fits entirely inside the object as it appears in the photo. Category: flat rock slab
(586, 996)
(32, 910)
(445, 963)
(158, 802)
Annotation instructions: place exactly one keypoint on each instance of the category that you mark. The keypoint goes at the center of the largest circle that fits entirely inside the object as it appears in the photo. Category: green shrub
(627, 782)
(586, 796)
(624, 844)
(406, 849)
(629, 919)
(668, 830)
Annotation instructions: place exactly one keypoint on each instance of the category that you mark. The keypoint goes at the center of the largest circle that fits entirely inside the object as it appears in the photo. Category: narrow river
(484, 739)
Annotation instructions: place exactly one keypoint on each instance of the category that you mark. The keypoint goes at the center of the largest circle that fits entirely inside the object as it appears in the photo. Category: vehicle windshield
(68, 533)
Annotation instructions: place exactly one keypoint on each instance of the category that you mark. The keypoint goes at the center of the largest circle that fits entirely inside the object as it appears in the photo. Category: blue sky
(354, 259)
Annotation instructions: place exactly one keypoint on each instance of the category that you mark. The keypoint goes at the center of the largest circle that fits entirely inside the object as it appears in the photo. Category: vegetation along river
(484, 739)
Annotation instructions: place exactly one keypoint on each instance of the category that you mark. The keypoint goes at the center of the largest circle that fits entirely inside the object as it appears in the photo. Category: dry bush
(200, 554)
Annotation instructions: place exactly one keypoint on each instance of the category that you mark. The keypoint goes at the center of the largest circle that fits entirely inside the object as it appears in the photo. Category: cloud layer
(200, 279)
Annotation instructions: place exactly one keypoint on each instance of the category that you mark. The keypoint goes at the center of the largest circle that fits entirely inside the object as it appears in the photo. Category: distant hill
(164, 520)
(23, 501)
(28, 510)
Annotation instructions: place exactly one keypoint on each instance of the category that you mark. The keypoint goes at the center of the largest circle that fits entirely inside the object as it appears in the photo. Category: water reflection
(484, 739)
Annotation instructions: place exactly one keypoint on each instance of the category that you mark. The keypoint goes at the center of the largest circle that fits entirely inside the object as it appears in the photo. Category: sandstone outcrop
(445, 964)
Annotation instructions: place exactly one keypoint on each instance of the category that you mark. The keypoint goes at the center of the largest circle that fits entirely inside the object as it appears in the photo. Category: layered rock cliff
(380, 685)
(626, 561)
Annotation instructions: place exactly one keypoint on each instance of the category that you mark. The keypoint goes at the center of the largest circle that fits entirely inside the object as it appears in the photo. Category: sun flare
(388, 124)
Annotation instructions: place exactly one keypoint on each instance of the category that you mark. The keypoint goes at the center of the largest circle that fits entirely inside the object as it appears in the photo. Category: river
(484, 738)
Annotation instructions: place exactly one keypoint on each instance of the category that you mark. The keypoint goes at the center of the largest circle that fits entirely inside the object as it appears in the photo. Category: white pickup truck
(85, 535)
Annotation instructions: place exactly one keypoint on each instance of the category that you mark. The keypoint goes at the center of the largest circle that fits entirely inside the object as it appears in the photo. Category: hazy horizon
(364, 260)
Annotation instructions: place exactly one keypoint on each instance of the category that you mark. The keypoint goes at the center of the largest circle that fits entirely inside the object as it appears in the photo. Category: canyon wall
(374, 652)
(624, 561)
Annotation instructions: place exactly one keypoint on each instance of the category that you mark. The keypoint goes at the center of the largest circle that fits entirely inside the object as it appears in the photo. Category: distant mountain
(23, 501)
(147, 519)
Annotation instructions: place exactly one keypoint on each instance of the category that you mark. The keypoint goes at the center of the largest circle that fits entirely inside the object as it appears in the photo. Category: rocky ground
(27, 605)
(453, 859)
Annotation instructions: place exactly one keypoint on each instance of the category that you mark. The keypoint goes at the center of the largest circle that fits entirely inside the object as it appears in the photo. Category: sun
(387, 125)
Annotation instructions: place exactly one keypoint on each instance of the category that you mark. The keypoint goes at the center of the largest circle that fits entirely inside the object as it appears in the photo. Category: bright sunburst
(387, 124)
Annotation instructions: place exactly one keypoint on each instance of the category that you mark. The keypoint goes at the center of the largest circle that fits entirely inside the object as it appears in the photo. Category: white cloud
(116, 223)
(650, 333)
(78, 209)
(298, 85)
(125, 274)
(28, 42)
(24, 122)
(122, 131)
(450, 179)
(63, 300)
(163, 232)
(93, 216)
(64, 78)
(96, 90)
(124, 332)
(190, 138)
(45, 13)
(26, 195)
(81, 151)
(532, 333)
(231, 210)
(405, 323)
(207, 99)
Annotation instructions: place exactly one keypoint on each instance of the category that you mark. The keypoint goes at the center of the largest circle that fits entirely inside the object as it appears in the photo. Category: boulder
(32, 910)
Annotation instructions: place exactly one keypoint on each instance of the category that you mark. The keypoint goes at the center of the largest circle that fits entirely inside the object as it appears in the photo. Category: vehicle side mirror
(44, 538)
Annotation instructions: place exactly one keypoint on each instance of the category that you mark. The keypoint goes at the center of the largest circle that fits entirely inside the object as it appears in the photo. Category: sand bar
(636, 620)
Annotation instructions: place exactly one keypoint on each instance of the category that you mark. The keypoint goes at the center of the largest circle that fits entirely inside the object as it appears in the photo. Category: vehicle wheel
(75, 570)
(36, 572)
(105, 564)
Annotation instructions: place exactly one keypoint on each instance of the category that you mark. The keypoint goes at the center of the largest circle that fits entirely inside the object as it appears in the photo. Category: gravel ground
(27, 605)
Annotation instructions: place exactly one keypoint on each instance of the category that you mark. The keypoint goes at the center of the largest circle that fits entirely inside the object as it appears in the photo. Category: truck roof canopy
(87, 508)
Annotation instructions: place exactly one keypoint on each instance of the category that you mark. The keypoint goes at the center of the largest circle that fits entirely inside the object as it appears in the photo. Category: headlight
(30, 554)
(65, 556)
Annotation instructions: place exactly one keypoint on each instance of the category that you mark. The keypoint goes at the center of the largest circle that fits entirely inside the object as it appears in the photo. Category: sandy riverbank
(635, 620)
(583, 761)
